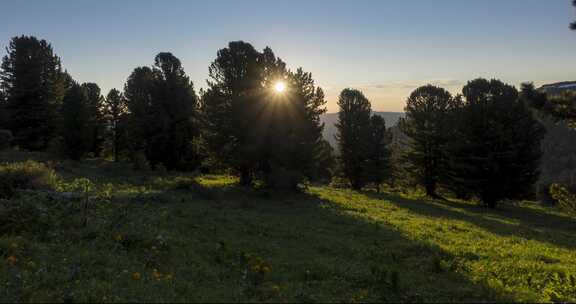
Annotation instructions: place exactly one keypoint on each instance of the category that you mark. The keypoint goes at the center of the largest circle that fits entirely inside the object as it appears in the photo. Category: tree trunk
(245, 177)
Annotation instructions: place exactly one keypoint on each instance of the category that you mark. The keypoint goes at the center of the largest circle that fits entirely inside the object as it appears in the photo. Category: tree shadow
(532, 225)
(328, 245)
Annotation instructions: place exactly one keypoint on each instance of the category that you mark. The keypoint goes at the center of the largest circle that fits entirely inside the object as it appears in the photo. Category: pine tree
(115, 110)
(354, 136)
(495, 152)
(163, 113)
(96, 122)
(573, 24)
(231, 108)
(75, 129)
(378, 163)
(139, 92)
(428, 111)
(32, 79)
(175, 114)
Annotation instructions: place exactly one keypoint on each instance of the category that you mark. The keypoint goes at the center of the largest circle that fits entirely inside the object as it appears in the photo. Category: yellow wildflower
(136, 276)
(157, 275)
(11, 260)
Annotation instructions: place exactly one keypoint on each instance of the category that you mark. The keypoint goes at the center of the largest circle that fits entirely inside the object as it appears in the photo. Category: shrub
(29, 175)
(564, 198)
(5, 139)
(139, 161)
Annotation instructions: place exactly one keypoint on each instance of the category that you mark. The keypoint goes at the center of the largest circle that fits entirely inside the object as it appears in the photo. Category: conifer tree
(378, 163)
(95, 122)
(354, 136)
(428, 111)
(495, 152)
(34, 84)
(231, 107)
(115, 110)
(75, 130)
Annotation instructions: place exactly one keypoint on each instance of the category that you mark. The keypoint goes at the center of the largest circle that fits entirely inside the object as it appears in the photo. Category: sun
(280, 87)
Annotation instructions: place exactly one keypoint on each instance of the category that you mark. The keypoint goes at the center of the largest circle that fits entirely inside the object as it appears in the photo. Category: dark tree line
(240, 122)
(483, 143)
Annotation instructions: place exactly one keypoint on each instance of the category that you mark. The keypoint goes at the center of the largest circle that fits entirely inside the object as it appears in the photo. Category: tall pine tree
(231, 108)
(354, 136)
(115, 111)
(33, 81)
(75, 129)
(378, 163)
(495, 152)
(427, 124)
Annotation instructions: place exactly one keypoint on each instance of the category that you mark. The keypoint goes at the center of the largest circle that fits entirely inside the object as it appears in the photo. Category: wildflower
(136, 276)
(169, 276)
(11, 260)
(256, 268)
(118, 237)
(157, 275)
(31, 264)
(265, 269)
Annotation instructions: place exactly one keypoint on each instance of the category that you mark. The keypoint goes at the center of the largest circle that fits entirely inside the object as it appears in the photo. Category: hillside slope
(174, 237)
(330, 120)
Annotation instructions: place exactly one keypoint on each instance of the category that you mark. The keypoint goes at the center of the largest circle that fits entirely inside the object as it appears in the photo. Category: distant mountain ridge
(558, 87)
(330, 120)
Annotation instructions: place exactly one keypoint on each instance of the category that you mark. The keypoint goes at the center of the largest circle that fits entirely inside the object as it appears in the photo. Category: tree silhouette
(76, 131)
(495, 152)
(427, 125)
(354, 136)
(115, 110)
(231, 106)
(378, 164)
(163, 110)
(96, 122)
(34, 84)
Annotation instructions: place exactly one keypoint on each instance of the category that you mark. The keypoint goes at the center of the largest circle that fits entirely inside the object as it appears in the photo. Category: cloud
(411, 84)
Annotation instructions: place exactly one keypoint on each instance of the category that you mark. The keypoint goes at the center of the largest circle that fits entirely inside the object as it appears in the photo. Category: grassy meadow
(162, 237)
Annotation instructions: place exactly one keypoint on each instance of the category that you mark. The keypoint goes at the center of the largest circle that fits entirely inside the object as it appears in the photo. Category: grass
(176, 237)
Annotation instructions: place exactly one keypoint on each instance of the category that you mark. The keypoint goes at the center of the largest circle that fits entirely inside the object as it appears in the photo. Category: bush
(29, 175)
(5, 139)
(139, 161)
(565, 199)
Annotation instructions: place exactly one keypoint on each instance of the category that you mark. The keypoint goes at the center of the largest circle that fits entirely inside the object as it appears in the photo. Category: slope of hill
(330, 119)
(168, 237)
(558, 88)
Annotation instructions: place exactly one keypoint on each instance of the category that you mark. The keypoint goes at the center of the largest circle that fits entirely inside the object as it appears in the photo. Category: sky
(386, 48)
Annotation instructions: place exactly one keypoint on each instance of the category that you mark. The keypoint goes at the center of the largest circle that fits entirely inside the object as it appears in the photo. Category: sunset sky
(385, 48)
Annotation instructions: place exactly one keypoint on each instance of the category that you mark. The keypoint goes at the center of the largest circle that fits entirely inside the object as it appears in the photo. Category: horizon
(368, 46)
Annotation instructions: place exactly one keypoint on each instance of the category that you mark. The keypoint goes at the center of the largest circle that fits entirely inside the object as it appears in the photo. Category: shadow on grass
(323, 253)
(532, 225)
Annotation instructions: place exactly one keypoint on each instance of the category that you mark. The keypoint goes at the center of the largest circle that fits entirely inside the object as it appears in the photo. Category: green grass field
(174, 237)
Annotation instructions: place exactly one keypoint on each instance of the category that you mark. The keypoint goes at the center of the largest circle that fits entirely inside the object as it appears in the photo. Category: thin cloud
(412, 84)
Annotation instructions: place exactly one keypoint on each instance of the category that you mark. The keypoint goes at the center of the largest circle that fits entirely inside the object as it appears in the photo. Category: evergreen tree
(115, 110)
(428, 110)
(496, 151)
(96, 122)
(231, 108)
(139, 92)
(163, 113)
(32, 79)
(378, 164)
(354, 136)
(75, 129)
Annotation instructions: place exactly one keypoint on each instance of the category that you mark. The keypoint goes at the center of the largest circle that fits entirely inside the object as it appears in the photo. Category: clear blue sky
(385, 48)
